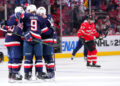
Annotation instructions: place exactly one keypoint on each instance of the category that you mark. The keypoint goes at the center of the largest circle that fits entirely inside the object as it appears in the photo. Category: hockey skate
(88, 64)
(72, 57)
(92, 65)
(85, 58)
(16, 76)
(41, 75)
(50, 75)
(28, 76)
(95, 65)
(10, 77)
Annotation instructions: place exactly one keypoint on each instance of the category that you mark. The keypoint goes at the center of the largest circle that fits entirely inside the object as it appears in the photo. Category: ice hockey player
(50, 38)
(79, 45)
(33, 27)
(14, 45)
(87, 33)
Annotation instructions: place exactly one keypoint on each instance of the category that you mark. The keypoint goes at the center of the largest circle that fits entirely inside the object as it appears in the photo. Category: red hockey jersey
(87, 31)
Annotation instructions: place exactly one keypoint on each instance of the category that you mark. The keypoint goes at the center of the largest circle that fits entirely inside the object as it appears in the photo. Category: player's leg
(9, 62)
(47, 54)
(16, 62)
(90, 46)
(78, 46)
(85, 53)
(94, 58)
(28, 63)
(38, 62)
(91, 53)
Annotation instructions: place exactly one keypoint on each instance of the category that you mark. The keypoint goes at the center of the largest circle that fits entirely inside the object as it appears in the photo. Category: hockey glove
(28, 37)
(100, 38)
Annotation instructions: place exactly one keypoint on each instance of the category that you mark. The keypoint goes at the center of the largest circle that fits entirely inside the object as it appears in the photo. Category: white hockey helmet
(41, 10)
(27, 9)
(19, 9)
(31, 8)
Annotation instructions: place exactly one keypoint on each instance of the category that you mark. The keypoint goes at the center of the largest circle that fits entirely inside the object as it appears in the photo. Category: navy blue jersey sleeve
(12, 21)
(19, 29)
(50, 20)
(43, 25)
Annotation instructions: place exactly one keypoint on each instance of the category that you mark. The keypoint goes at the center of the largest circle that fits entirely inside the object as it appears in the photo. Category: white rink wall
(108, 46)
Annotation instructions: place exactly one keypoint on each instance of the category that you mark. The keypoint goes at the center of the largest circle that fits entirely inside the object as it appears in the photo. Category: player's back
(33, 24)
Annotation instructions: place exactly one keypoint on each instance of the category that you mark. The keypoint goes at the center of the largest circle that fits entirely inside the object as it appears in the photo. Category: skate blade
(28, 81)
(50, 80)
(34, 80)
(92, 67)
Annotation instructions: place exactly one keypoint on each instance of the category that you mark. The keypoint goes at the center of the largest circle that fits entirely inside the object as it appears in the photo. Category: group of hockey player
(30, 33)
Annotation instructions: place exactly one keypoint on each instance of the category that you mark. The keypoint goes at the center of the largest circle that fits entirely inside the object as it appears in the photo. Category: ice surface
(75, 73)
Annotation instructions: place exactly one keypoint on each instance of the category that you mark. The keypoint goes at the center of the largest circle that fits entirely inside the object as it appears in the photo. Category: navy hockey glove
(28, 37)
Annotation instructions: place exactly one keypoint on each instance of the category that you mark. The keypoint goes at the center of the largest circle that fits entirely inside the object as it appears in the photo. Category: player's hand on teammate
(18, 15)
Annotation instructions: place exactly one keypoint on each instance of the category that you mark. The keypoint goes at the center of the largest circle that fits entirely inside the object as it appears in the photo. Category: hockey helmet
(90, 17)
(31, 8)
(41, 10)
(19, 9)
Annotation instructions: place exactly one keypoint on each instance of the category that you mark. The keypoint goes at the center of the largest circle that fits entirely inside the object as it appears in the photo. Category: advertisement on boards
(110, 43)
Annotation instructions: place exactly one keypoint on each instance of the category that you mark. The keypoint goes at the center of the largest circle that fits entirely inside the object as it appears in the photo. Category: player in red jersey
(87, 33)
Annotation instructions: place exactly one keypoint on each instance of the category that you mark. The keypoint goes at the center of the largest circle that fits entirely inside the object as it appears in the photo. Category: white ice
(75, 73)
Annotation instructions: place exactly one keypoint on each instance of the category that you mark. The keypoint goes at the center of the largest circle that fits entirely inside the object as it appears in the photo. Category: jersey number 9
(34, 25)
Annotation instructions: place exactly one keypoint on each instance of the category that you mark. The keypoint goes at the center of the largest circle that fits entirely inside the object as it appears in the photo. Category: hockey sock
(94, 56)
(39, 64)
(10, 64)
(89, 60)
(28, 64)
(49, 63)
(16, 65)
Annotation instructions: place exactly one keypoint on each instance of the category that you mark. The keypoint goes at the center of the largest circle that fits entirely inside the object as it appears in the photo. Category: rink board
(109, 46)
